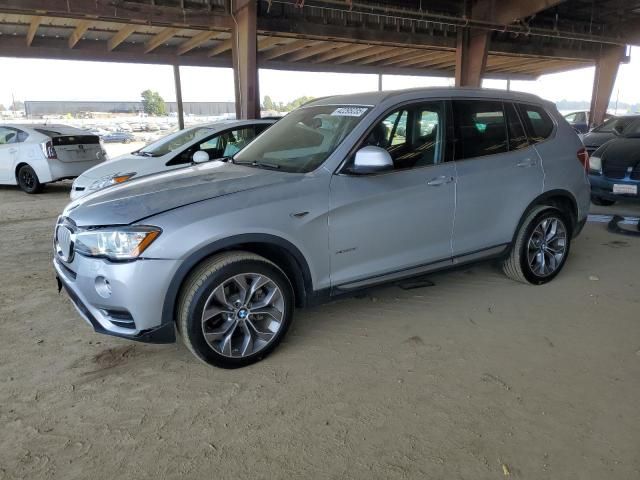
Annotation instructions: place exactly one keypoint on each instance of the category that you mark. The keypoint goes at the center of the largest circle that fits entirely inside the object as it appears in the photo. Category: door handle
(437, 181)
(527, 162)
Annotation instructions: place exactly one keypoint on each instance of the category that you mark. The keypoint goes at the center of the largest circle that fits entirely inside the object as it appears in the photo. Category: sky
(32, 79)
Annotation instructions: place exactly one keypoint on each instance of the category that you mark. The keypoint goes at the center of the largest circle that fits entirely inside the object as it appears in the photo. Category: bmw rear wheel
(541, 247)
(234, 309)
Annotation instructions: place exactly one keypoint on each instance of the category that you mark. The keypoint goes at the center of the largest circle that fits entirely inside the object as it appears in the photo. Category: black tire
(603, 202)
(28, 180)
(516, 265)
(199, 287)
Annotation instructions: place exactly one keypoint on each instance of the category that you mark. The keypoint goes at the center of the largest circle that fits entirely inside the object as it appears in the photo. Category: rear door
(8, 153)
(499, 173)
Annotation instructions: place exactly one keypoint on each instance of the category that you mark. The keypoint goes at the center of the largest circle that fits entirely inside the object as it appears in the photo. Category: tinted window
(517, 137)
(8, 135)
(614, 124)
(224, 144)
(481, 128)
(538, 123)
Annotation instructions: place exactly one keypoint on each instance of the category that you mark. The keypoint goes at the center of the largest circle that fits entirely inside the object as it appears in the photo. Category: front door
(398, 220)
(8, 154)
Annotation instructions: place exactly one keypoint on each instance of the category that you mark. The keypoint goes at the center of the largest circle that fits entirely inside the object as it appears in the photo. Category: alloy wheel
(547, 246)
(243, 315)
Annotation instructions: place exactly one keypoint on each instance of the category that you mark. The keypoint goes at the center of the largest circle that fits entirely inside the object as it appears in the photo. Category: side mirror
(200, 157)
(372, 160)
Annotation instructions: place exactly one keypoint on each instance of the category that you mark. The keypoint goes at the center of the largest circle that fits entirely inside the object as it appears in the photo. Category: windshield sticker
(348, 112)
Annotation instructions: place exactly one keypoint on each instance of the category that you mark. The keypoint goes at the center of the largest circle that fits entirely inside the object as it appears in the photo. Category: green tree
(153, 103)
(268, 103)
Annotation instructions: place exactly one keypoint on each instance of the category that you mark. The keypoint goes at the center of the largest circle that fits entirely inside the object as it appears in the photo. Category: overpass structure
(465, 39)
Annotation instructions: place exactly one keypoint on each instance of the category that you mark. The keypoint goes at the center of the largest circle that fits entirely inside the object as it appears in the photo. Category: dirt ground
(475, 377)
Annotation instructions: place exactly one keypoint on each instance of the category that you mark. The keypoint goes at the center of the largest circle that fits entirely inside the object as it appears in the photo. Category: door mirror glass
(200, 157)
(372, 159)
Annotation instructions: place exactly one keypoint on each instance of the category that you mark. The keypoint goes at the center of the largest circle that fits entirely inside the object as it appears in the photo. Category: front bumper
(137, 291)
(602, 187)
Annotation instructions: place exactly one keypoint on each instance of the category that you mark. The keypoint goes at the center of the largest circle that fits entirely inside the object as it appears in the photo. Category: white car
(209, 141)
(32, 155)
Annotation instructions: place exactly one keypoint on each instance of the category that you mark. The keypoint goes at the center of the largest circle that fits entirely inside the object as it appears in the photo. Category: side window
(537, 122)
(8, 135)
(517, 136)
(425, 146)
(571, 118)
(481, 128)
(390, 133)
(581, 117)
(233, 141)
(22, 136)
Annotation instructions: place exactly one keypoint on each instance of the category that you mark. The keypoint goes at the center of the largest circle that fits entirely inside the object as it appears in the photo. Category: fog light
(103, 287)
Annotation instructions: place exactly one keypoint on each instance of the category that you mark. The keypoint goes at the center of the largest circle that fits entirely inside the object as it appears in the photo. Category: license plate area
(625, 189)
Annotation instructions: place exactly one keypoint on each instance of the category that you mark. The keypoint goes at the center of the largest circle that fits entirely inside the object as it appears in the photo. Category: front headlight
(116, 243)
(595, 164)
(111, 179)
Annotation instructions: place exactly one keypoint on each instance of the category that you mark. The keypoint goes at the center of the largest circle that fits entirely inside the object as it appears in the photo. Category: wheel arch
(563, 200)
(276, 249)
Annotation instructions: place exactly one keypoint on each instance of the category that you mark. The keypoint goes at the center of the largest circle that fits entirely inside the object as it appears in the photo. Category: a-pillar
(244, 54)
(471, 56)
(606, 70)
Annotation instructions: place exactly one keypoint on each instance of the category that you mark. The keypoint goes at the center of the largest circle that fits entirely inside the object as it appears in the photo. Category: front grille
(612, 171)
(63, 239)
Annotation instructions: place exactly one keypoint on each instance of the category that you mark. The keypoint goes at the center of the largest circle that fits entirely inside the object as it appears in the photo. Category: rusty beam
(33, 28)
(603, 81)
(245, 59)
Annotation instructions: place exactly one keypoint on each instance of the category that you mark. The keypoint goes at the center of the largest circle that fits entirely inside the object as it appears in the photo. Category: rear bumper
(59, 170)
(603, 187)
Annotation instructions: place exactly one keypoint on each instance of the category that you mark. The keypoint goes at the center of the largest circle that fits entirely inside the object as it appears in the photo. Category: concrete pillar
(379, 82)
(244, 52)
(471, 56)
(606, 70)
(176, 78)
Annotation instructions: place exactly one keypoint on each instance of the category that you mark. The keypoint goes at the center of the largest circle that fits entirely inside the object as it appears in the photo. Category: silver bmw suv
(342, 194)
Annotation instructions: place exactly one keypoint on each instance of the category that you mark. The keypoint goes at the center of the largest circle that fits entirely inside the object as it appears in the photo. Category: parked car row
(344, 193)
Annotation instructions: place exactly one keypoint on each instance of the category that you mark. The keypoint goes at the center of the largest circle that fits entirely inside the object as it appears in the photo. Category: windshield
(303, 139)
(609, 125)
(174, 141)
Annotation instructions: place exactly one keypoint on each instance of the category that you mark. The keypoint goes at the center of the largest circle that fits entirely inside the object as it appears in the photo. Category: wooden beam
(120, 36)
(222, 47)
(405, 56)
(268, 42)
(311, 51)
(288, 48)
(33, 28)
(245, 59)
(362, 54)
(382, 56)
(81, 28)
(471, 57)
(195, 42)
(341, 52)
(160, 38)
(426, 58)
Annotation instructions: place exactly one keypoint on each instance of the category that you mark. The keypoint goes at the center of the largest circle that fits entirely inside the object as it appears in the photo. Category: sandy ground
(476, 377)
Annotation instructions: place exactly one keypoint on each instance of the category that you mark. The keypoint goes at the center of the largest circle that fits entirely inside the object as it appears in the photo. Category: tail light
(49, 151)
(583, 158)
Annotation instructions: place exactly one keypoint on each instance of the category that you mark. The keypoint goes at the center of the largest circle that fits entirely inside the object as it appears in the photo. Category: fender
(192, 260)
(540, 200)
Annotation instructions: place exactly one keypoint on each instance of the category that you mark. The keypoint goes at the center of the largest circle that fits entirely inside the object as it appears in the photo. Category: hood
(595, 139)
(137, 199)
(621, 151)
(115, 165)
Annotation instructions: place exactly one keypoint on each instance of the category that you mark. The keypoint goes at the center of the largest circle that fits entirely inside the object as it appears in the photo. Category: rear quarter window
(537, 122)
